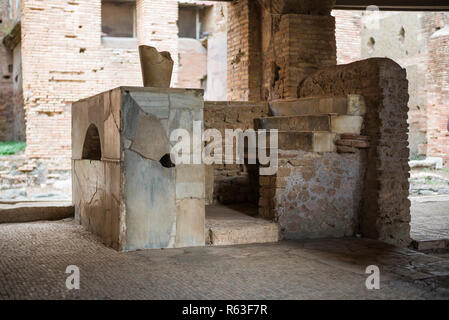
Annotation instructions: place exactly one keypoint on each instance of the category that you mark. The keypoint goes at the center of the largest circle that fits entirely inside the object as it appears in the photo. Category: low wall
(383, 83)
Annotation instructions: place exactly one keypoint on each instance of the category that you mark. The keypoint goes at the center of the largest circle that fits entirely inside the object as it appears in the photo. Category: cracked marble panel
(89, 194)
(128, 198)
(150, 203)
(150, 140)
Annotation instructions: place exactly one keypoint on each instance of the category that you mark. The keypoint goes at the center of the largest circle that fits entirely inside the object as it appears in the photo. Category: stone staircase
(314, 124)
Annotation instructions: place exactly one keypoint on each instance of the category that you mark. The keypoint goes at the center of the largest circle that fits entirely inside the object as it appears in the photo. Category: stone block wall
(383, 83)
(232, 183)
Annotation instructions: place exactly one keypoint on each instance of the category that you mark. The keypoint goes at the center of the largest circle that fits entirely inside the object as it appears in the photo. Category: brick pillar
(244, 58)
(302, 45)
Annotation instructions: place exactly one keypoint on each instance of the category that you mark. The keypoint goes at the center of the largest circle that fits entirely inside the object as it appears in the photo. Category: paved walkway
(34, 257)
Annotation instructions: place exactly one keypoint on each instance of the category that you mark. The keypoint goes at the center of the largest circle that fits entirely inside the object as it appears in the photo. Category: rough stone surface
(427, 182)
(229, 226)
(24, 178)
(383, 83)
(36, 255)
(233, 183)
(430, 218)
(314, 195)
(34, 211)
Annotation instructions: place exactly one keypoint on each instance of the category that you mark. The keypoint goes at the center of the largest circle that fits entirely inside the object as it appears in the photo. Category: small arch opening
(166, 162)
(92, 144)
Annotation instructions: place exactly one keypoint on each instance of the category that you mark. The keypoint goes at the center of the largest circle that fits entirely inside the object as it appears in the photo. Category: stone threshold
(233, 225)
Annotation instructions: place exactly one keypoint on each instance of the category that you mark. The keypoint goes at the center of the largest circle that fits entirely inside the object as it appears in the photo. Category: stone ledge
(35, 211)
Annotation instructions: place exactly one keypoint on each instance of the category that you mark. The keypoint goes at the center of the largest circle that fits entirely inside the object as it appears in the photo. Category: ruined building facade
(100, 40)
(343, 151)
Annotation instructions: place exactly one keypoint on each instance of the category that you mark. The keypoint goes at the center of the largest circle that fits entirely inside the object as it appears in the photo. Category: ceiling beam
(393, 5)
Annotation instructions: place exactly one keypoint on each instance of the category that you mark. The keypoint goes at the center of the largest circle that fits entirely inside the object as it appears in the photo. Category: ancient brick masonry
(301, 45)
(71, 31)
(383, 83)
(232, 183)
(6, 78)
(437, 79)
(273, 45)
(347, 32)
(243, 77)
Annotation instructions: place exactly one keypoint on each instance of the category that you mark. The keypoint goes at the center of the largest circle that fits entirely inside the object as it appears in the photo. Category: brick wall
(243, 51)
(157, 27)
(6, 78)
(425, 59)
(273, 45)
(383, 83)
(348, 35)
(18, 131)
(232, 183)
(192, 63)
(297, 46)
(437, 85)
(64, 60)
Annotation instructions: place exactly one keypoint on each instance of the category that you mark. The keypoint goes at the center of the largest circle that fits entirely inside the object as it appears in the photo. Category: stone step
(294, 123)
(353, 105)
(227, 226)
(320, 123)
(307, 141)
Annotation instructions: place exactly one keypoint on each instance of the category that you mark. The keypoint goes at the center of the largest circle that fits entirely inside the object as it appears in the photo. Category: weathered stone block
(123, 189)
(352, 104)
